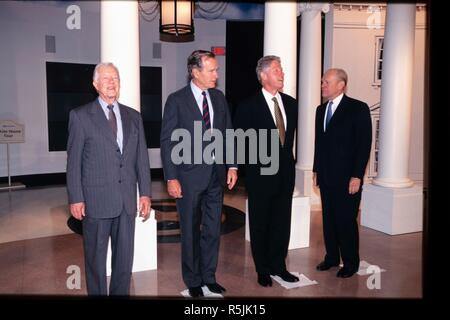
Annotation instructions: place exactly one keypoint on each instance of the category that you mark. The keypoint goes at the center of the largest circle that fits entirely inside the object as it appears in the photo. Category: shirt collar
(336, 100)
(105, 105)
(269, 96)
(197, 91)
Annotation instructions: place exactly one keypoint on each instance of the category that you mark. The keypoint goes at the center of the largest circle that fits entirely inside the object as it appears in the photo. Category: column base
(304, 186)
(145, 241)
(300, 223)
(392, 210)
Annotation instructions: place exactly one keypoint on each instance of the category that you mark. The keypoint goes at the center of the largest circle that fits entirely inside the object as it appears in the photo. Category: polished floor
(37, 248)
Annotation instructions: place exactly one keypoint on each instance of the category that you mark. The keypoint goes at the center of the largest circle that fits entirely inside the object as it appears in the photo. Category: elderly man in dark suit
(342, 148)
(270, 196)
(106, 158)
(198, 183)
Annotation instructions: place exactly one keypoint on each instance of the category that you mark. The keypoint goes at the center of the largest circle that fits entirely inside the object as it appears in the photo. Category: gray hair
(264, 63)
(341, 75)
(101, 65)
(194, 61)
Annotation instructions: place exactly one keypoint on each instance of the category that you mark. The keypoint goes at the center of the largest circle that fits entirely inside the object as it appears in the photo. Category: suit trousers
(200, 219)
(340, 226)
(96, 233)
(270, 227)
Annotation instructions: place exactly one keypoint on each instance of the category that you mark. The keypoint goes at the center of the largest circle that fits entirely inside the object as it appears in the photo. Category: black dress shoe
(345, 272)
(286, 276)
(323, 266)
(215, 287)
(196, 292)
(264, 280)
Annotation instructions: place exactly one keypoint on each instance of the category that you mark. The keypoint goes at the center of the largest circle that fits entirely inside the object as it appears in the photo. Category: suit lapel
(192, 104)
(100, 121)
(265, 114)
(338, 113)
(126, 125)
(287, 110)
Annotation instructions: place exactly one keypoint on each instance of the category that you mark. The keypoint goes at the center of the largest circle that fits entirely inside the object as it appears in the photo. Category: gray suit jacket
(180, 112)
(97, 173)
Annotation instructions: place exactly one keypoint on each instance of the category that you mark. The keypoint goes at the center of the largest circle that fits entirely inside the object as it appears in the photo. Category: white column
(280, 39)
(392, 204)
(396, 96)
(309, 96)
(120, 45)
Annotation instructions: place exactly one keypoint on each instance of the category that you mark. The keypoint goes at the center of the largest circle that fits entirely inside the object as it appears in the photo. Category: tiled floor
(37, 247)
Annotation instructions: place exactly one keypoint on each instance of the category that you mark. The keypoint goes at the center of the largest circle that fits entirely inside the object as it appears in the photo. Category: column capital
(315, 6)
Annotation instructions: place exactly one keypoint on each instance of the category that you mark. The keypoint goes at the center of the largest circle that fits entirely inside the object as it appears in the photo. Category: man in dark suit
(106, 157)
(342, 148)
(198, 183)
(270, 196)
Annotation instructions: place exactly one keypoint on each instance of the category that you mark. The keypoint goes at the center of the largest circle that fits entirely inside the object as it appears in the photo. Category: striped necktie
(206, 118)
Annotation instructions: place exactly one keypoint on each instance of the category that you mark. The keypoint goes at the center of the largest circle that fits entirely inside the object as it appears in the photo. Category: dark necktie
(279, 121)
(329, 114)
(206, 118)
(112, 120)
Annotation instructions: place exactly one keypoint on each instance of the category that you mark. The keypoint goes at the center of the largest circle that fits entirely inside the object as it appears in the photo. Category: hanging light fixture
(176, 23)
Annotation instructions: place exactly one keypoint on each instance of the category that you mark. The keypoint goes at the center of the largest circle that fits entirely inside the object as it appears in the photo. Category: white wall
(23, 26)
(353, 50)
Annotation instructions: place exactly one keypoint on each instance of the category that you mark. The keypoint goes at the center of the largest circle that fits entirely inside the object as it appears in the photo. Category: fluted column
(309, 96)
(120, 45)
(393, 204)
(280, 39)
(396, 96)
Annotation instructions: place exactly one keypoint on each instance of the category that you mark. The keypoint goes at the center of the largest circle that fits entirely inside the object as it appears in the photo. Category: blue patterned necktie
(329, 114)
(206, 118)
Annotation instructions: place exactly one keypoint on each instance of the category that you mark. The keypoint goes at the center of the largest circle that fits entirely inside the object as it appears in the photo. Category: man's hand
(231, 178)
(77, 210)
(145, 204)
(174, 188)
(354, 185)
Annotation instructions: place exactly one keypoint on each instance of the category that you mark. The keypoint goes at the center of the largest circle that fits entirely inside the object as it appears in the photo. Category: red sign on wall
(218, 51)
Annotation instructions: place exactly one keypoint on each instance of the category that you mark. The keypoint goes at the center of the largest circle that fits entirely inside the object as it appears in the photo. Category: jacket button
(121, 165)
(120, 181)
(118, 150)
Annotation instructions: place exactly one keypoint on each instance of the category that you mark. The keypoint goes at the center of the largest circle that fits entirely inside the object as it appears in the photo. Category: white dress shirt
(116, 111)
(268, 96)
(334, 106)
(199, 99)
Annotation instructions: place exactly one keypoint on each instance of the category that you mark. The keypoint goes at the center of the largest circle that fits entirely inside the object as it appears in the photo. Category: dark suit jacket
(97, 173)
(343, 150)
(255, 113)
(180, 112)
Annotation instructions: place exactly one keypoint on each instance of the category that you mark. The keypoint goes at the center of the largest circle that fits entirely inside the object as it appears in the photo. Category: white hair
(103, 64)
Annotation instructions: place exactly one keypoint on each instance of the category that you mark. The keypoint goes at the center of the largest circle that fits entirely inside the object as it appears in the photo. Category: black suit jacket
(180, 112)
(255, 113)
(342, 151)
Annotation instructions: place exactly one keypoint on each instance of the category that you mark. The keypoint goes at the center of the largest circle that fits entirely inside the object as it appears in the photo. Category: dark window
(69, 85)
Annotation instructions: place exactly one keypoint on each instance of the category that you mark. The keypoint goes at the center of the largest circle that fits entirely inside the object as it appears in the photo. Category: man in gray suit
(106, 157)
(198, 186)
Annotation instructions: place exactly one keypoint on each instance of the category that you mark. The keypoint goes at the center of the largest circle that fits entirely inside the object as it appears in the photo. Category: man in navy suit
(270, 195)
(106, 157)
(342, 148)
(198, 185)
